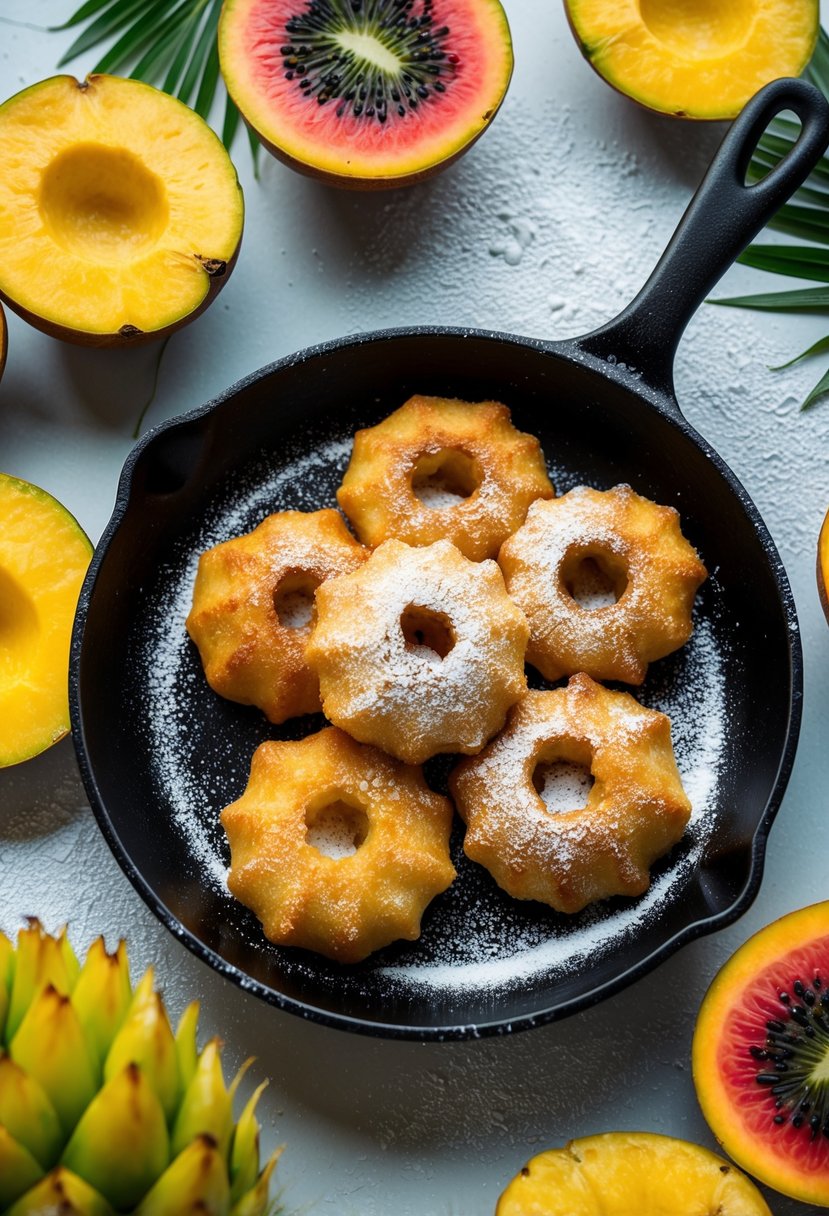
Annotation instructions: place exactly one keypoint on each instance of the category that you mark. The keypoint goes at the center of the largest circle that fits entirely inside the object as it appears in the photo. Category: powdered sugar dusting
(591, 589)
(379, 687)
(436, 495)
(474, 937)
(334, 832)
(175, 681)
(295, 609)
(693, 695)
(562, 786)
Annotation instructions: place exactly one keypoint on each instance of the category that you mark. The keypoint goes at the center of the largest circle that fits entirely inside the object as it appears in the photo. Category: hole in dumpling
(426, 629)
(445, 478)
(293, 599)
(336, 829)
(593, 578)
(563, 785)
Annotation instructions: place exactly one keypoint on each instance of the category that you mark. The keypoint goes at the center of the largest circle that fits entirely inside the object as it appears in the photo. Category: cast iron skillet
(161, 755)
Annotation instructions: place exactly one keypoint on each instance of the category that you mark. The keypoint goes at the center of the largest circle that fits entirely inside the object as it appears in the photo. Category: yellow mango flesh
(696, 58)
(44, 556)
(113, 196)
(630, 1174)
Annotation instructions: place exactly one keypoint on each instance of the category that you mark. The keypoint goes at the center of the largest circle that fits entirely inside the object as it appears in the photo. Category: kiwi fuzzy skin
(133, 337)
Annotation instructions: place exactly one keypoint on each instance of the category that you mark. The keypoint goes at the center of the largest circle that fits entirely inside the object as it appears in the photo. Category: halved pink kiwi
(761, 1055)
(366, 93)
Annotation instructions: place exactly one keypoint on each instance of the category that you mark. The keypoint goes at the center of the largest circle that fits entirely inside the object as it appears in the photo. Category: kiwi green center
(370, 49)
(18, 629)
(336, 827)
(102, 203)
(374, 60)
(700, 29)
(794, 1060)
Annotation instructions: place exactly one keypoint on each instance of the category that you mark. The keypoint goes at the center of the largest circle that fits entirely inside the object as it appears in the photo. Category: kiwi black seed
(796, 1058)
(326, 70)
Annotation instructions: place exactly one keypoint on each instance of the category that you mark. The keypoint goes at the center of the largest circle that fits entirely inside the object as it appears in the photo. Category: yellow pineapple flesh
(630, 1174)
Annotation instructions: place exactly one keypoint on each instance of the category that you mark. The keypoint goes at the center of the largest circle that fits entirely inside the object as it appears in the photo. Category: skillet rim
(664, 403)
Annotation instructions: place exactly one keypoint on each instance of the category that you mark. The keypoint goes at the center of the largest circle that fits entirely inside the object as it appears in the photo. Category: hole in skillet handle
(723, 217)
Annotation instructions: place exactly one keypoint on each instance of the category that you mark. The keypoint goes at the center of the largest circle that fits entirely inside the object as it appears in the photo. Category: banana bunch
(103, 1108)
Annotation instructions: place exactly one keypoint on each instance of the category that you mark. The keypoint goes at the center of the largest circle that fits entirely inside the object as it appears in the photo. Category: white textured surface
(546, 228)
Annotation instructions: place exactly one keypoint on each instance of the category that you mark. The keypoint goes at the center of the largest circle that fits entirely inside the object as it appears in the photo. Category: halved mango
(694, 58)
(622, 1173)
(44, 555)
(823, 565)
(120, 210)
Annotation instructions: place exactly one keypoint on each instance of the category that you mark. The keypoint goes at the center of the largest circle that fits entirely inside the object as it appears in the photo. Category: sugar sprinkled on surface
(295, 609)
(365, 661)
(477, 938)
(173, 678)
(333, 832)
(437, 496)
(562, 786)
(695, 700)
(591, 589)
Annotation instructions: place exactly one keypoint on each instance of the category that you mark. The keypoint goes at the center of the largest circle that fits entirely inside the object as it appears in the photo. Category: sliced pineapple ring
(622, 1173)
(120, 210)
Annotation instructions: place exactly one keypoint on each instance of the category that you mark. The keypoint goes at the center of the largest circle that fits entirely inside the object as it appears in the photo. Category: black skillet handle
(723, 217)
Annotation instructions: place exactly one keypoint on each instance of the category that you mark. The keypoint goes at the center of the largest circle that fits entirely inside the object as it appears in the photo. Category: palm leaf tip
(805, 217)
(171, 44)
(817, 348)
(818, 392)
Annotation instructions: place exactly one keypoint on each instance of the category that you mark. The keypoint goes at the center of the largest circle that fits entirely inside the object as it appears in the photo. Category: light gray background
(546, 227)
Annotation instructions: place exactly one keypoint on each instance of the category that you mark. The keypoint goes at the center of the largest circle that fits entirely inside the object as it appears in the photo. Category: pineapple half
(630, 1174)
(104, 1109)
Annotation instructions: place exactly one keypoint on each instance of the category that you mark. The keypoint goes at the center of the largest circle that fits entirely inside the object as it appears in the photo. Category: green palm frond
(169, 43)
(805, 217)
